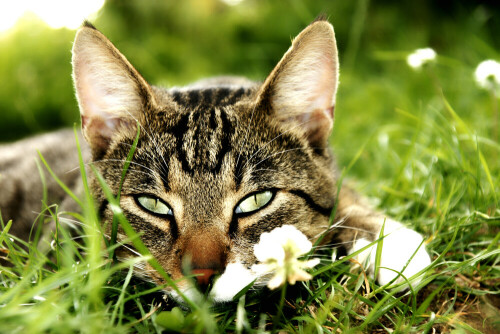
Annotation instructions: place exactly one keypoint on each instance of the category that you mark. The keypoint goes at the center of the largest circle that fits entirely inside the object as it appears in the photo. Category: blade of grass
(138, 244)
(114, 227)
(465, 128)
(59, 182)
(119, 303)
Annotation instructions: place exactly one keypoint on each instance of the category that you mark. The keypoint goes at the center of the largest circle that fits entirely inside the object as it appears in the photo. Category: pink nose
(203, 276)
(206, 255)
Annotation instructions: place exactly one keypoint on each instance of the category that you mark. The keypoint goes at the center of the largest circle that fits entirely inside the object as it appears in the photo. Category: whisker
(332, 245)
(274, 154)
(272, 140)
(357, 229)
(112, 160)
(265, 169)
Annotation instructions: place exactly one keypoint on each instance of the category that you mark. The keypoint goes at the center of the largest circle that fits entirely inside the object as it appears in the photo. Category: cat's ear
(111, 94)
(302, 87)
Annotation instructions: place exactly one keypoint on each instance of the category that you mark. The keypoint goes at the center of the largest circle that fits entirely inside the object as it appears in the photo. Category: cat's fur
(202, 149)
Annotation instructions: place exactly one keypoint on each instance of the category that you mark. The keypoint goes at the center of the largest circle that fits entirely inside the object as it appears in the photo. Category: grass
(444, 183)
(423, 146)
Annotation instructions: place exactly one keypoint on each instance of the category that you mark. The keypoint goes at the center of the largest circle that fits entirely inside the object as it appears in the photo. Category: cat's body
(217, 163)
(21, 189)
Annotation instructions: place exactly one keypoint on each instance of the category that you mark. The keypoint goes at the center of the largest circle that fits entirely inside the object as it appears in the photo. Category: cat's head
(217, 163)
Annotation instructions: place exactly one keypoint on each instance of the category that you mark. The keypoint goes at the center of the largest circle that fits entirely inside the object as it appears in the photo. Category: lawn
(421, 143)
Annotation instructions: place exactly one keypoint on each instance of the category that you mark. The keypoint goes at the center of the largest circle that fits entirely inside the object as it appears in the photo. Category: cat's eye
(154, 205)
(254, 202)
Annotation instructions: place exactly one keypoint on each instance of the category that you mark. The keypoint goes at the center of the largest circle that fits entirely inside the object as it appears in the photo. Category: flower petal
(276, 281)
(278, 251)
(298, 275)
(311, 263)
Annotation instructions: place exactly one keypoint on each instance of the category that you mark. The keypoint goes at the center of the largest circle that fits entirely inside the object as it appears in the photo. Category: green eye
(154, 205)
(254, 202)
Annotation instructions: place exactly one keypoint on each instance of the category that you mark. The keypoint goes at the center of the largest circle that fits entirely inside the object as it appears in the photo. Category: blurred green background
(174, 42)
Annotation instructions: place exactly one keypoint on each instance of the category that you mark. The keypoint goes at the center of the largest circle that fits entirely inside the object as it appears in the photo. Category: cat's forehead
(204, 105)
(213, 136)
(202, 123)
(205, 97)
(213, 133)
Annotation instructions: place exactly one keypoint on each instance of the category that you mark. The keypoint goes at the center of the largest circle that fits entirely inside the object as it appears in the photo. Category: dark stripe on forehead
(203, 137)
(226, 145)
(217, 97)
(234, 96)
(207, 96)
(238, 93)
(177, 97)
(212, 120)
(220, 95)
(194, 97)
(178, 131)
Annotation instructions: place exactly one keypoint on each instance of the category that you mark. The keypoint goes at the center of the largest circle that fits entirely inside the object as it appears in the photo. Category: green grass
(423, 145)
(430, 168)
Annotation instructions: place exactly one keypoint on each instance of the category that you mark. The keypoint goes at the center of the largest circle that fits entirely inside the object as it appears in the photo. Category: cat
(217, 164)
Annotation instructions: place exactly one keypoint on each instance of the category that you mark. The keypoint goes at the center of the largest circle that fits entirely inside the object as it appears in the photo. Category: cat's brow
(271, 141)
(277, 153)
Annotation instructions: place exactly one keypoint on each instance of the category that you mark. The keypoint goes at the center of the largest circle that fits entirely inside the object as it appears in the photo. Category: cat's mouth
(220, 281)
(219, 288)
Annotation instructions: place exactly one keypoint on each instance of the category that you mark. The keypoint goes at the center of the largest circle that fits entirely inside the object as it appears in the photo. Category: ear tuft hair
(87, 24)
(321, 17)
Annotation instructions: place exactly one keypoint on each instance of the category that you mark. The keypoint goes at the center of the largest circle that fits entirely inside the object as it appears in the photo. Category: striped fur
(206, 147)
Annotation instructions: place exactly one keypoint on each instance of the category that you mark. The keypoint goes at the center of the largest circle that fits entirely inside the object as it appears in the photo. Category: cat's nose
(203, 277)
(205, 254)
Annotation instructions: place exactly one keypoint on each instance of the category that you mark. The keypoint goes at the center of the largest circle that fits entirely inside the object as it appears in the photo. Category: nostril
(204, 256)
(203, 276)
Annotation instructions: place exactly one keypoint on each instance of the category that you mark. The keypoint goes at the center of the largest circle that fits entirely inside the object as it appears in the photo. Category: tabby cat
(217, 163)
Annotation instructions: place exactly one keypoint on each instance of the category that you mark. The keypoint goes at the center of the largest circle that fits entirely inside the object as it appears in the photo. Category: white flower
(421, 57)
(487, 75)
(279, 251)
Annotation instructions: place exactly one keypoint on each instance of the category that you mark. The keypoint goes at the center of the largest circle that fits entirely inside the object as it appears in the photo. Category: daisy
(279, 252)
(487, 75)
(420, 57)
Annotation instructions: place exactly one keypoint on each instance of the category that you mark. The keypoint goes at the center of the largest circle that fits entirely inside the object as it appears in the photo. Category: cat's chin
(189, 292)
(235, 278)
